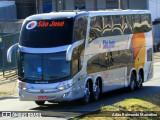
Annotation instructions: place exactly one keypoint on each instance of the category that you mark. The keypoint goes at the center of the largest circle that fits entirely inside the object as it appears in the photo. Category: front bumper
(64, 95)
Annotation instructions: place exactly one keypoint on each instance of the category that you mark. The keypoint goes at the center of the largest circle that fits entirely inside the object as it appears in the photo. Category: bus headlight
(22, 86)
(63, 87)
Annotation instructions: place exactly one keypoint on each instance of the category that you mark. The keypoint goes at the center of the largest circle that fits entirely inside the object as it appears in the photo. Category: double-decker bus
(64, 56)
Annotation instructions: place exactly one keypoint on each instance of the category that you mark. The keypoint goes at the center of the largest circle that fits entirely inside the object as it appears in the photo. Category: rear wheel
(132, 82)
(139, 81)
(40, 102)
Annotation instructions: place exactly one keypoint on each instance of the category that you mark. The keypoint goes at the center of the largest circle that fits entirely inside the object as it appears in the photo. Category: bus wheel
(96, 93)
(40, 102)
(139, 81)
(87, 94)
(132, 82)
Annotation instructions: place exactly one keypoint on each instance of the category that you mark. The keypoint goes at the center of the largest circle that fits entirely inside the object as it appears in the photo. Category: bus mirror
(9, 52)
(71, 48)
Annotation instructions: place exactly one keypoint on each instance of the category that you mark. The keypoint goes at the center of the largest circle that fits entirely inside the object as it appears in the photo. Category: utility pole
(119, 4)
(95, 4)
(37, 7)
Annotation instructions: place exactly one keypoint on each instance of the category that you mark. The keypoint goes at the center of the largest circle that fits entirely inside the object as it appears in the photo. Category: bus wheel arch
(140, 78)
(133, 79)
(97, 88)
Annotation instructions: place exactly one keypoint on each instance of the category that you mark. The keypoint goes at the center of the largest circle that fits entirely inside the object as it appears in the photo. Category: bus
(65, 56)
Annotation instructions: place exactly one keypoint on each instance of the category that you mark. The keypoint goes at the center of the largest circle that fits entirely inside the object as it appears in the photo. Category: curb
(8, 97)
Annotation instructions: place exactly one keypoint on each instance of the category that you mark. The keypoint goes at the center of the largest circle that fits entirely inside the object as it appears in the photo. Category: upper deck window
(47, 33)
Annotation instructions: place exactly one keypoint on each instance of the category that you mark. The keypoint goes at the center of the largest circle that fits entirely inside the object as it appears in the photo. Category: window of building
(112, 4)
(47, 6)
(80, 4)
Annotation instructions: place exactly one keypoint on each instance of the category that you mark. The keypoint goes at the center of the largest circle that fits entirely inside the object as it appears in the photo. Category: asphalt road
(72, 109)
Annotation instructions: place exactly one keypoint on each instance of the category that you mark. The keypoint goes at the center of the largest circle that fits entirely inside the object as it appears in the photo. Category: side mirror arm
(71, 48)
(9, 52)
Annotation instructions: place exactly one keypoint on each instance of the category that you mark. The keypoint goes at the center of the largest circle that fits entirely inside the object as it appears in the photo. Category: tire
(87, 94)
(139, 81)
(40, 102)
(96, 92)
(132, 84)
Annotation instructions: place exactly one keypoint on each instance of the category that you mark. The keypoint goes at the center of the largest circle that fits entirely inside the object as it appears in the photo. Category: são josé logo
(31, 25)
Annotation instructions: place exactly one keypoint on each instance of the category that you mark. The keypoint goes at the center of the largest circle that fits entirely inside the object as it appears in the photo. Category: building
(29, 7)
(7, 10)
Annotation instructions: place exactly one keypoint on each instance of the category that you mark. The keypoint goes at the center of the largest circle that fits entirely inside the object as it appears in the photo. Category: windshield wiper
(29, 77)
(53, 77)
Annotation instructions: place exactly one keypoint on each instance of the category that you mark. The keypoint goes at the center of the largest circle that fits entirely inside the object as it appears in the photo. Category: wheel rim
(139, 81)
(87, 93)
(132, 84)
(96, 92)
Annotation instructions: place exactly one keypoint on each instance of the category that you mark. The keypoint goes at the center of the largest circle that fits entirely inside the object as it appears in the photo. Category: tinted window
(96, 28)
(44, 67)
(149, 54)
(109, 60)
(80, 28)
(112, 25)
(108, 24)
(145, 23)
(47, 33)
(127, 24)
(117, 22)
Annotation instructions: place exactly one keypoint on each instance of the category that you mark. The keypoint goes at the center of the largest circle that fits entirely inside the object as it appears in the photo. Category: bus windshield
(51, 67)
(47, 33)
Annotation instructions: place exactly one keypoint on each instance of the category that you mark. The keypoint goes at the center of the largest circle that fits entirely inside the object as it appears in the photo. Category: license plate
(42, 97)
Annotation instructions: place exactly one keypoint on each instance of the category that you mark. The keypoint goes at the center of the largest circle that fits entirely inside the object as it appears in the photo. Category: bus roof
(74, 14)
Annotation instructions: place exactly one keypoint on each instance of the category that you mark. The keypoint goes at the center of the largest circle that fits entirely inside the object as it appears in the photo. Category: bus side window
(74, 61)
(130, 22)
(108, 24)
(80, 28)
(96, 27)
(77, 59)
(127, 27)
(145, 23)
(149, 54)
(117, 23)
(137, 23)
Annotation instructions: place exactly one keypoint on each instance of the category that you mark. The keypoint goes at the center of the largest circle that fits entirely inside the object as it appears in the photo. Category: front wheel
(132, 85)
(96, 93)
(87, 95)
(40, 102)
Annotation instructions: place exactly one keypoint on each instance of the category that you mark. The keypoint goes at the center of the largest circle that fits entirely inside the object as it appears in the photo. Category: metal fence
(156, 37)
(5, 42)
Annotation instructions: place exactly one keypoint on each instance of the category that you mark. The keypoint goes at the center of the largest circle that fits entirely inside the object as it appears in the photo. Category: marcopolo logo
(31, 25)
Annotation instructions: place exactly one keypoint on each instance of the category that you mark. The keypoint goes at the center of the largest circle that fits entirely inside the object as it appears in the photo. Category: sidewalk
(8, 85)
(157, 57)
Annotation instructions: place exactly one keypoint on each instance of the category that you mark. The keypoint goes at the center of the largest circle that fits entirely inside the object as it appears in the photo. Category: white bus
(64, 56)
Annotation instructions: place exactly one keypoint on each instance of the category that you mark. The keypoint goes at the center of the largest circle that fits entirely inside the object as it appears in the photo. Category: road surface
(68, 110)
